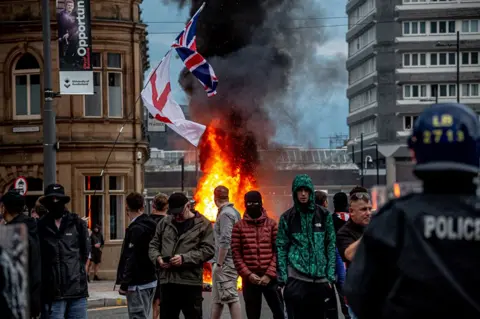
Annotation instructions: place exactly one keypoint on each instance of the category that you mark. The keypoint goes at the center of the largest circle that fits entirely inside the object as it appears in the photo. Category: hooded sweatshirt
(306, 238)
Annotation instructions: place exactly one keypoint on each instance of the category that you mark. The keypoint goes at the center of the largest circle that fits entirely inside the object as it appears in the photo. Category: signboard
(20, 184)
(75, 47)
(155, 125)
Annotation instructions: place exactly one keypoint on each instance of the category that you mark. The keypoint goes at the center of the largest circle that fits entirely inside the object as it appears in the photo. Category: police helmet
(446, 137)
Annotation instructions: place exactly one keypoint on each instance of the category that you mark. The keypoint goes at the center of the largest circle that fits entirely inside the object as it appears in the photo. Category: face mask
(57, 209)
(254, 211)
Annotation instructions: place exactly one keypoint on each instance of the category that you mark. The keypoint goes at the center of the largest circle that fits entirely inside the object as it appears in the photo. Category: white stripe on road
(107, 308)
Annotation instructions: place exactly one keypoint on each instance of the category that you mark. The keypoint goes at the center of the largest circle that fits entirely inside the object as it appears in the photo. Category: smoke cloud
(264, 53)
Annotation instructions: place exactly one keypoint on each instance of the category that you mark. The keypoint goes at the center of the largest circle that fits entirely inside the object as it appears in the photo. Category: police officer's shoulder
(395, 205)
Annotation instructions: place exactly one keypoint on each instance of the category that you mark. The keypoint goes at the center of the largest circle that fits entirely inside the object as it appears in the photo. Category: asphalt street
(121, 312)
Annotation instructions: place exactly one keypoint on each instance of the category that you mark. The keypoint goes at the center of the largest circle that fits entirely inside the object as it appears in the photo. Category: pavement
(106, 303)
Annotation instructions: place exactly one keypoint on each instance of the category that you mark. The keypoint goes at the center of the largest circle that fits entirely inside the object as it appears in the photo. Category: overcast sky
(166, 21)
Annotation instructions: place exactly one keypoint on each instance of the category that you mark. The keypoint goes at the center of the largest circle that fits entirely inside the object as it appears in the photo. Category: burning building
(258, 48)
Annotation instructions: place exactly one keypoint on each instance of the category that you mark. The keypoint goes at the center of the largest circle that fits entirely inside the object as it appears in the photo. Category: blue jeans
(350, 312)
(69, 309)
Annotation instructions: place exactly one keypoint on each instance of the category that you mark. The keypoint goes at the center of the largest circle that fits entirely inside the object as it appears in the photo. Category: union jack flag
(186, 47)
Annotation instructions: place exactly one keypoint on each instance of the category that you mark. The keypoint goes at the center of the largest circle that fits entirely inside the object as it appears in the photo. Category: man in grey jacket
(225, 276)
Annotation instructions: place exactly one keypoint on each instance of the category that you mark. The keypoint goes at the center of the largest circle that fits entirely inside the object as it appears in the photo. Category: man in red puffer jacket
(253, 248)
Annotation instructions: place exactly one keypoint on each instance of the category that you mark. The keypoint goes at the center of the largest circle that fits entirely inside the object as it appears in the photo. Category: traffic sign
(20, 184)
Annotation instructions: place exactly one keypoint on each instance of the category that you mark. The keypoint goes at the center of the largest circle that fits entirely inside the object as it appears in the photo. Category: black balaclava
(253, 204)
(55, 207)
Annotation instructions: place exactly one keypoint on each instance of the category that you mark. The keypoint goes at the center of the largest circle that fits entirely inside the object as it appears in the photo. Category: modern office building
(402, 58)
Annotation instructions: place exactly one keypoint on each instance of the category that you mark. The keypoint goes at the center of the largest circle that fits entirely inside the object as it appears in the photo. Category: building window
(363, 99)
(470, 58)
(27, 97)
(414, 59)
(408, 122)
(365, 127)
(363, 70)
(470, 26)
(414, 91)
(444, 90)
(414, 27)
(112, 72)
(470, 90)
(360, 13)
(362, 41)
(96, 198)
(442, 27)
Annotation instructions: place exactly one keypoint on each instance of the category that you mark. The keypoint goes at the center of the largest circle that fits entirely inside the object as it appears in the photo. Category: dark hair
(340, 202)
(14, 207)
(135, 201)
(358, 189)
(320, 198)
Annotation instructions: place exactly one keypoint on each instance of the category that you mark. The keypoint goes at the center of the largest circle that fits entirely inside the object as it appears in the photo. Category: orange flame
(220, 169)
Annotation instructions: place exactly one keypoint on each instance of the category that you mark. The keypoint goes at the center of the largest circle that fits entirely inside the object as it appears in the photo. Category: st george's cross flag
(186, 46)
(158, 99)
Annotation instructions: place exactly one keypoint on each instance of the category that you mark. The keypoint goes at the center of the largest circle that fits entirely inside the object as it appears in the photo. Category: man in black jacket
(419, 256)
(13, 206)
(136, 273)
(65, 247)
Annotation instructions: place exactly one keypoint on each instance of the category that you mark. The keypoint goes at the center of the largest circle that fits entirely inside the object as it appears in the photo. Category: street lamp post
(361, 158)
(377, 163)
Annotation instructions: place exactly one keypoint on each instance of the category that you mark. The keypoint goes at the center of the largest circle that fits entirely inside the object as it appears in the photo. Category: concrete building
(402, 57)
(331, 170)
(87, 126)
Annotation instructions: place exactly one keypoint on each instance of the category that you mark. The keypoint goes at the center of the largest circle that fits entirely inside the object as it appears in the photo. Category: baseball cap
(56, 191)
(176, 203)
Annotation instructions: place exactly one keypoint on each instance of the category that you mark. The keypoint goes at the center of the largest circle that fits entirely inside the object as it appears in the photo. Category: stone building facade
(87, 126)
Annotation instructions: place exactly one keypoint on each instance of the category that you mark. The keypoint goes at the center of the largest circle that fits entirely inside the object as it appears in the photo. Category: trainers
(96, 278)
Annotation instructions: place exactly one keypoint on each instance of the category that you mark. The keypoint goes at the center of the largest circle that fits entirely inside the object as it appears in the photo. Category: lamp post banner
(75, 47)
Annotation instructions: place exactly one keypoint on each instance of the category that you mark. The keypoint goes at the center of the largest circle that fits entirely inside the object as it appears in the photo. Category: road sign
(20, 184)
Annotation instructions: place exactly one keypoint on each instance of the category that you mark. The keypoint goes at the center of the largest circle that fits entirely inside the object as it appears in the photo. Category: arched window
(27, 97)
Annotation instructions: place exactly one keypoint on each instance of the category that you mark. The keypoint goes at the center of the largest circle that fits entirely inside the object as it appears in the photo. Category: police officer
(420, 255)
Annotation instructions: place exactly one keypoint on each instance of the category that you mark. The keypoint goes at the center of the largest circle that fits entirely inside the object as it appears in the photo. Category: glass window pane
(465, 25)
(96, 59)
(414, 27)
(21, 106)
(415, 90)
(117, 214)
(93, 103)
(114, 94)
(465, 90)
(465, 58)
(114, 60)
(407, 91)
(35, 95)
(474, 89)
(115, 183)
(443, 90)
(451, 59)
(433, 27)
(423, 90)
(451, 26)
(93, 183)
(407, 122)
(406, 28)
(443, 58)
(414, 59)
(433, 59)
(94, 209)
(434, 90)
(423, 59)
(474, 58)
(452, 90)
(442, 27)
(473, 25)
(406, 59)
(423, 28)
(27, 62)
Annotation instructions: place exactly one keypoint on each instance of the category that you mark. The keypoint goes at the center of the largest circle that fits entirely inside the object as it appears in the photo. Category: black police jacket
(419, 258)
(64, 254)
(34, 263)
(135, 267)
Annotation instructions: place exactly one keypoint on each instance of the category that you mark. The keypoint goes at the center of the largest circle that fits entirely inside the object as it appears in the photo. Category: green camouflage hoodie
(306, 238)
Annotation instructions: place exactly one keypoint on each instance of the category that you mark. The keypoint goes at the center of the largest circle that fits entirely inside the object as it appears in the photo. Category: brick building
(86, 125)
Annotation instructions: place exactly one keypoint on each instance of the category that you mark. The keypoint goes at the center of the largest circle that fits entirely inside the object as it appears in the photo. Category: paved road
(121, 312)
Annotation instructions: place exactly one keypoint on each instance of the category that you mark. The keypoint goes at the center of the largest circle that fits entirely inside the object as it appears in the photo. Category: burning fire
(220, 168)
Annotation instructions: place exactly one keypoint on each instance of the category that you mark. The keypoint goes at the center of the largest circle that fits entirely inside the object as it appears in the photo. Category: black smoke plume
(264, 55)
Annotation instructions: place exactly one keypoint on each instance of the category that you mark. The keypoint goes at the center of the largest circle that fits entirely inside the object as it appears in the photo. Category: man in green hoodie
(306, 254)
